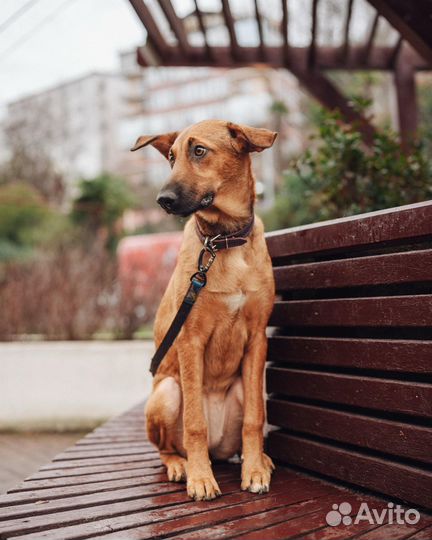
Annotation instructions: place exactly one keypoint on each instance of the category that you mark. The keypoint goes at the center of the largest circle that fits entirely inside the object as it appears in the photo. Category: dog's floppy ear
(162, 143)
(251, 139)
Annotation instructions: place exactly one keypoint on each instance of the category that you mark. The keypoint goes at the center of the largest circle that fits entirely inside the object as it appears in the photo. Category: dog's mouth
(183, 206)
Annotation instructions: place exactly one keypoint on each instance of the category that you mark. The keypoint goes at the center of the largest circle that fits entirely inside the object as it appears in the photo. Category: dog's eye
(171, 158)
(199, 151)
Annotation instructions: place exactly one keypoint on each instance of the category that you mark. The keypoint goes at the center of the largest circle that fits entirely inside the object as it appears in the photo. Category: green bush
(340, 176)
(102, 201)
(22, 213)
(100, 205)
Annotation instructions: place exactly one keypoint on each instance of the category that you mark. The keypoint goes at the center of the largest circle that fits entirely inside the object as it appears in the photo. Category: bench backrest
(349, 381)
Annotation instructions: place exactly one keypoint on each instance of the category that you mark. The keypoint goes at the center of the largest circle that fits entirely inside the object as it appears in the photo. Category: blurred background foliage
(340, 176)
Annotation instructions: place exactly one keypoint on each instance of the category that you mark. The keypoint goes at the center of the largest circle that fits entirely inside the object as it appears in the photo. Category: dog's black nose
(167, 199)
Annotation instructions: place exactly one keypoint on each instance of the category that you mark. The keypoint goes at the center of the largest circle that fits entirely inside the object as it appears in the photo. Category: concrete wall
(70, 385)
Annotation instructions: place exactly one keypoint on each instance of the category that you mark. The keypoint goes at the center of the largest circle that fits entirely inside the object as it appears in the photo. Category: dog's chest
(235, 301)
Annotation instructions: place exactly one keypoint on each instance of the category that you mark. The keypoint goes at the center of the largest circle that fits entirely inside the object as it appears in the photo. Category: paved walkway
(21, 454)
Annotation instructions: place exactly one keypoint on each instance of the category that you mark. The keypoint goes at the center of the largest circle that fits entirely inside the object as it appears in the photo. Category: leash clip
(209, 248)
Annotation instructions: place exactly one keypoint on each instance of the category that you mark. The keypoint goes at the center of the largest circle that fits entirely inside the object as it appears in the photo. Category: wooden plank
(382, 394)
(90, 500)
(389, 269)
(381, 311)
(394, 479)
(425, 534)
(79, 480)
(84, 463)
(379, 354)
(183, 521)
(396, 438)
(80, 454)
(26, 497)
(47, 471)
(336, 533)
(72, 521)
(393, 531)
(374, 229)
(287, 522)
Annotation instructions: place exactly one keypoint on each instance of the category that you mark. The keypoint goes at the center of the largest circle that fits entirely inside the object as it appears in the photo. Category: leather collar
(226, 241)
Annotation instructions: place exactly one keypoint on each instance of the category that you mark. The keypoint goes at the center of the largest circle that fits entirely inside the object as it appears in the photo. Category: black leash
(198, 282)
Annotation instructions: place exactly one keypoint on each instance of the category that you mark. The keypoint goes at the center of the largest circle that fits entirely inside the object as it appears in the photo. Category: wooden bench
(350, 392)
(352, 360)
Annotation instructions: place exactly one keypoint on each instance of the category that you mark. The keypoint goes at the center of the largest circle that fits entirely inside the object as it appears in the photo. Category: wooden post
(404, 78)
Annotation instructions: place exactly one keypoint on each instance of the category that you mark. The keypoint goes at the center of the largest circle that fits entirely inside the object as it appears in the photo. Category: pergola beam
(203, 30)
(155, 38)
(229, 21)
(346, 43)
(311, 59)
(176, 25)
(322, 89)
(404, 79)
(371, 38)
(284, 32)
(260, 30)
(412, 20)
(380, 58)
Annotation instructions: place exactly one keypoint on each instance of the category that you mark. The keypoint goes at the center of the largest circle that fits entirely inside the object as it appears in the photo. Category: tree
(22, 213)
(100, 205)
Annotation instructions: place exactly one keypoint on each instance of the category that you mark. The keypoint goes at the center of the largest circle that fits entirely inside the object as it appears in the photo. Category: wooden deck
(111, 484)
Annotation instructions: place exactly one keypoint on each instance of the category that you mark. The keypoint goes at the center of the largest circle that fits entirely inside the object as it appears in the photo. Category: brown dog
(208, 391)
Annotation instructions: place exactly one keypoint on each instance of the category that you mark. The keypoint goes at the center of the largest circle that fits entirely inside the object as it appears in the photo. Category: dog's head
(206, 159)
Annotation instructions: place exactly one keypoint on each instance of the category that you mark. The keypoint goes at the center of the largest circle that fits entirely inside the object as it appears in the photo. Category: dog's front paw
(202, 487)
(256, 474)
(176, 468)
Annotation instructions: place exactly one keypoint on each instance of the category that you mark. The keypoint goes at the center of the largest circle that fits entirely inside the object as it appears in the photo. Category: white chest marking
(236, 301)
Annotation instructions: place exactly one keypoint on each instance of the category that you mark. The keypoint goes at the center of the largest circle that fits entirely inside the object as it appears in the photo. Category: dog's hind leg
(163, 416)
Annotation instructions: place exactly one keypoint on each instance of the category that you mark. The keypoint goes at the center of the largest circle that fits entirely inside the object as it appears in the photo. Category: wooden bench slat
(46, 472)
(80, 454)
(379, 354)
(383, 394)
(79, 480)
(390, 269)
(74, 463)
(388, 436)
(366, 230)
(152, 510)
(391, 478)
(25, 497)
(425, 534)
(405, 311)
(294, 519)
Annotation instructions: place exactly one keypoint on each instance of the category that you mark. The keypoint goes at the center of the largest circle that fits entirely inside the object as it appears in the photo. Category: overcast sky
(81, 36)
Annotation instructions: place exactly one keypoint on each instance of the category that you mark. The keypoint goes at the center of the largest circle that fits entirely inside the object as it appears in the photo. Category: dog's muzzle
(167, 200)
(175, 201)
